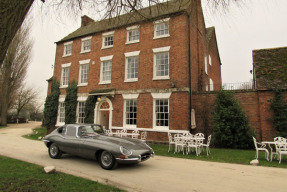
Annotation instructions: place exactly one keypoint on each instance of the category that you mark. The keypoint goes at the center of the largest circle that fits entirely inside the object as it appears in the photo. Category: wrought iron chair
(207, 145)
(260, 147)
(170, 141)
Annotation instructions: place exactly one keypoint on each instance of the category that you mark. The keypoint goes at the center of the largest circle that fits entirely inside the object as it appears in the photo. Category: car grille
(145, 156)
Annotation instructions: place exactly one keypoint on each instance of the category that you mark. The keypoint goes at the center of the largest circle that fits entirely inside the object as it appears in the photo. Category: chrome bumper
(135, 159)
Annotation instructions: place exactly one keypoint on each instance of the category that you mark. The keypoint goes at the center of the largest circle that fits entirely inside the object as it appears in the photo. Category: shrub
(90, 109)
(51, 105)
(71, 103)
(279, 107)
(231, 127)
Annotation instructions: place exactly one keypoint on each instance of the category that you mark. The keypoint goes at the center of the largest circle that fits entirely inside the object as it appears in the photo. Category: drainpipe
(189, 75)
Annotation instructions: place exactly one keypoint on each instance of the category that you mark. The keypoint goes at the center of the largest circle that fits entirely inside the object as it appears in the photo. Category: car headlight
(125, 151)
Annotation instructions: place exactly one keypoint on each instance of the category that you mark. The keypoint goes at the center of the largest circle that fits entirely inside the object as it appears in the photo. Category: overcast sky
(258, 24)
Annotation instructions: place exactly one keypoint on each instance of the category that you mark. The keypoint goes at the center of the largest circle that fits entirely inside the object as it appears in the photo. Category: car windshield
(90, 130)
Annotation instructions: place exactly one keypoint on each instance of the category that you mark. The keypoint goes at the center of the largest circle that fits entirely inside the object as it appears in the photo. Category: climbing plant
(71, 102)
(51, 105)
(231, 127)
(279, 108)
(90, 108)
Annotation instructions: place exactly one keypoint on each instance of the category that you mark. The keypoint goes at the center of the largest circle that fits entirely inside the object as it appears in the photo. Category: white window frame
(211, 87)
(157, 96)
(70, 43)
(104, 59)
(159, 22)
(205, 64)
(64, 66)
(82, 63)
(130, 29)
(82, 44)
(128, 97)
(155, 52)
(128, 55)
(61, 100)
(104, 36)
(82, 99)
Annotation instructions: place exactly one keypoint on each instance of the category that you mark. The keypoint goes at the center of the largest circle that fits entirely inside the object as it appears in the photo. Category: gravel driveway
(159, 174)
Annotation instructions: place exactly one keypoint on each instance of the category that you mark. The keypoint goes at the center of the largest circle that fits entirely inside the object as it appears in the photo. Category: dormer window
(67, 49)
(133, 34)
(86, 45)
(161, 28)
(108, 40)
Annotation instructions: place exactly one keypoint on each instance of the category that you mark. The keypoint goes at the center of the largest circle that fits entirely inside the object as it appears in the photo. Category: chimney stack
(86, 20)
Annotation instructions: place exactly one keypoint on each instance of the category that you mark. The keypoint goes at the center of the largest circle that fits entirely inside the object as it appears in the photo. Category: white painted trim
(97, 111)
(162, 21)
(86, 38)
(87, 61)
(106, 58)
(132, 54)
(209, 60)
(66, 65)
(161, 95)
(62, 98)
(82, 98)
(130, 96)
(66, 44)
(133, 27)
(108, 33)
(161, 49)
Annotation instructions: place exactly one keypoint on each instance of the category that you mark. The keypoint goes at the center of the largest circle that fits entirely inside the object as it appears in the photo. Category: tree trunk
(4, 105)
(12, 15)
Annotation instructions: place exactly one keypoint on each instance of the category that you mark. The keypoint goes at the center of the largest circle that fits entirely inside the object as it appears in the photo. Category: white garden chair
(260, 147)
(281, 147)
(170, 141)
(143, 136)
(123, 133)
(192, 143)
(207, 145)
(276, 152)
(180, 143)
(135, 134)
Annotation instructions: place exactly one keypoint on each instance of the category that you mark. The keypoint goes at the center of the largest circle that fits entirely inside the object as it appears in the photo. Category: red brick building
(143, 68)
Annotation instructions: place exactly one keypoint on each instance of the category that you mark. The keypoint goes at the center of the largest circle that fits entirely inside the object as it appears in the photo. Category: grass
(2, 127)
(38, 134)
(222, 155)
(18, 176)
(217, 155)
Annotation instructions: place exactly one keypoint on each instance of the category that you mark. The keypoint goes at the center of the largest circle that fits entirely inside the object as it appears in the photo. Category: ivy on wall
(279, 108)
(71, 103)
(90, 109)
(51, 105)
(231, 128)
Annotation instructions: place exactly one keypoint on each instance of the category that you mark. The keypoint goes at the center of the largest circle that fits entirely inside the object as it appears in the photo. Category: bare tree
(14, 69)
(25, 97)
(13, 12)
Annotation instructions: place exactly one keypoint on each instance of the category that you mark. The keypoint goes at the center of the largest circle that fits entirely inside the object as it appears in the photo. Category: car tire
(107, 160)
(54, 151)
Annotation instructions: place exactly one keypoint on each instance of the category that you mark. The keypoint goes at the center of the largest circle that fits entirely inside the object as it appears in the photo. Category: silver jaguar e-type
(89, 141)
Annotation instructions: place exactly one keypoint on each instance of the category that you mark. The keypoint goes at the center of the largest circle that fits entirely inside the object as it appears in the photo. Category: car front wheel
(107, 160)
(54, 151)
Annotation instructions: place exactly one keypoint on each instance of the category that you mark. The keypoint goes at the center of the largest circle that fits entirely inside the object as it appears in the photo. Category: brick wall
(255, 103)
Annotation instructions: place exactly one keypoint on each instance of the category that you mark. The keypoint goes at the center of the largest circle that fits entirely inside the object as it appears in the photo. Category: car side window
(62, 130)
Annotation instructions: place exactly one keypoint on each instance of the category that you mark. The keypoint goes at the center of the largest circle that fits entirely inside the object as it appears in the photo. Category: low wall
(255, 103)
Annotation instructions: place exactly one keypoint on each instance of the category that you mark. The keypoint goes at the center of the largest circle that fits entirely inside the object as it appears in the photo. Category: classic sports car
(90, 142)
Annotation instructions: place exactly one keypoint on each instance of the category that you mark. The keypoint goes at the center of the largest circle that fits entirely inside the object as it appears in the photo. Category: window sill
(104, 82)
(87, 51)
(130, 126)
(130, 80)
(67, 55)
(63, 86)
(161, 78)
(159, 37)
(82, 85)
(108, 47)
(132, 42)
(161, 128)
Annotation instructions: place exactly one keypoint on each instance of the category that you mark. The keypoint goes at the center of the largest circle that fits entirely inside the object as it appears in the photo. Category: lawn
(217, 155)
(18, 176)
(222, 155)
(38, 134)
